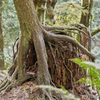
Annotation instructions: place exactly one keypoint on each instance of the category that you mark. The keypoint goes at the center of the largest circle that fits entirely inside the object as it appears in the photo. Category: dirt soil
(28, 92)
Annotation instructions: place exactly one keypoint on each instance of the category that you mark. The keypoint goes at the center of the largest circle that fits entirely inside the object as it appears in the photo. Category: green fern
(93, 70)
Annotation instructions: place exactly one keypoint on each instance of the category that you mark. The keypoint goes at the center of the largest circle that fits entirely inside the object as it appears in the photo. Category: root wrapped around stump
(63, 71)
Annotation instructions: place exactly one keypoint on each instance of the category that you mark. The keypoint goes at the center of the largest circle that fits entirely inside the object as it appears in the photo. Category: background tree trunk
(85, 17)
(85, 20)
(1, 39)
(50, 10)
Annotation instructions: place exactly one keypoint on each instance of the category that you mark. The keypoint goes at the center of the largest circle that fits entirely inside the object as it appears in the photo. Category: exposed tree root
(52, 37)
(5, 86)
(62, 28)
(53, 56)
(15, 44)
(76, 29)
(4, 82)
(13, 66)
(11, 82)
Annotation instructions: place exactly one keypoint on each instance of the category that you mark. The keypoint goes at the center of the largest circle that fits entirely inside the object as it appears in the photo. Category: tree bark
(85, 18)
(41, 7)
(1, 40)
(31, 30)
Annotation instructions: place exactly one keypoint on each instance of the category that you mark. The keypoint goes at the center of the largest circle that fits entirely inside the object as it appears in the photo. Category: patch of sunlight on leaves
(61, 90)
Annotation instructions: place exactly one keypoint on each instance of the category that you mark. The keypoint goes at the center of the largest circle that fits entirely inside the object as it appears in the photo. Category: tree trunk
(31, 30)
(1, 40)
(45, 9)
(85, 18)
(50, 10)
(41, 7)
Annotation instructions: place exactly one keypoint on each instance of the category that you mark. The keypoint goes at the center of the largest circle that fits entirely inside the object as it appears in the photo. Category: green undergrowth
(93, 72)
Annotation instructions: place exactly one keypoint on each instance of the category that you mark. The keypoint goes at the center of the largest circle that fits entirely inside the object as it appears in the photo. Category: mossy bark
(31, 31)
(1, 40)
(50, 10)
(95, 31)
(85, 17)
(85, 20)
(41, 7)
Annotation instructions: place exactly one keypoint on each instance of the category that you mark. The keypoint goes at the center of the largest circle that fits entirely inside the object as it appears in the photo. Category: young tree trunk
(85, 17)
(1, 40)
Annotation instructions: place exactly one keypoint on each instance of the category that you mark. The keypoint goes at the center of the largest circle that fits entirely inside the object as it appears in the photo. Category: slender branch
(52, 37)
(95, 31)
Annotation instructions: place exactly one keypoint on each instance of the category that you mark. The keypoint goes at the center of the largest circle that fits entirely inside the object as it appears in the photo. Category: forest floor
(19, 93)
(28, 92)
(23, 92)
